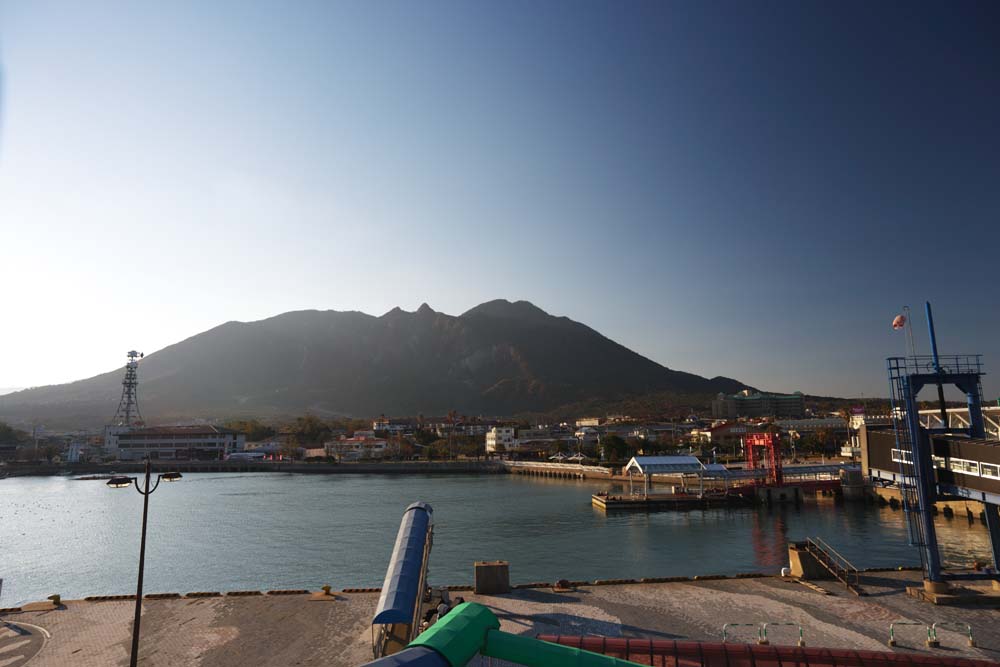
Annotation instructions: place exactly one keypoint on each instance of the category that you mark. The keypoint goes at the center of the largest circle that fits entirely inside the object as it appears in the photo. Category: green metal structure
(471, 629)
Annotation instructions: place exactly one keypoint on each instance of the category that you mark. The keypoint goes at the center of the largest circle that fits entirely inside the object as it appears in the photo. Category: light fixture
(119, 482)
(171, 477)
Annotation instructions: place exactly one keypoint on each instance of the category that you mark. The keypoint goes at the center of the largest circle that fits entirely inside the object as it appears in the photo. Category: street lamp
(120, 482)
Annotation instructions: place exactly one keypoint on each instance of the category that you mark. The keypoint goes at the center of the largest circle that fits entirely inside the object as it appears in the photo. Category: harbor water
(223, 532)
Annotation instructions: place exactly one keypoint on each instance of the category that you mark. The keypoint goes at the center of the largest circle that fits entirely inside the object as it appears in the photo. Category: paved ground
(18, 643)
(292, 630)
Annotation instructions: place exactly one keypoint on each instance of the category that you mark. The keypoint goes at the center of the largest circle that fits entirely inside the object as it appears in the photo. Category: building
(588, 421)
(797, 427)
(357, 448)
(729, 435)
(502, 439)
(392, 426)
(180, 443)
(758, 404)
(587, 436)
(76, 452)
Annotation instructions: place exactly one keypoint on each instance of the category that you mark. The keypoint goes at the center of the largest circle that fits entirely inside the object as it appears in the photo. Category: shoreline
(738, 576)
(386, 468)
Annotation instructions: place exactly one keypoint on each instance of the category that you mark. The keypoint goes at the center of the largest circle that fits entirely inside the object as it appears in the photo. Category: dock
(665, 501)
(238, 630)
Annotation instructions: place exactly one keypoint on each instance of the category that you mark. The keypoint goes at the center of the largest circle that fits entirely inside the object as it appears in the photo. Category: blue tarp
(402, 580)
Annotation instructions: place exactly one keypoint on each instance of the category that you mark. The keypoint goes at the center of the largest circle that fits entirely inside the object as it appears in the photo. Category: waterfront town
(717, 433)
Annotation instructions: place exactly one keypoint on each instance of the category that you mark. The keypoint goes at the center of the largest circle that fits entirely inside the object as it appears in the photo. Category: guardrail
(892, 632)
(836, 563)
(557, 466)
(967, 632)
(725, 630)
(764, 639)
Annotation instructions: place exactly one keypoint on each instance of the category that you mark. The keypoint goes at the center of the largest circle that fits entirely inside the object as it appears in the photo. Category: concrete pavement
(233, 631)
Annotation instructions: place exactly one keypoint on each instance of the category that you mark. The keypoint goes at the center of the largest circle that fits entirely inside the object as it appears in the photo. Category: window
(940, 462)
(989, 470)
(902, 456)
(964, 466)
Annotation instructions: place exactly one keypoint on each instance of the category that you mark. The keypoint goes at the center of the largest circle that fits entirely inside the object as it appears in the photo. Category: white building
(357, 448)
(587, 435)
(181, 443)
(501, 435)
(391, 426)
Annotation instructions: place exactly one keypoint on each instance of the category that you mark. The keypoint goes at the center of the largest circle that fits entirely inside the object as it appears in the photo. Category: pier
(666, 501)
(558, 470)
(242, 629)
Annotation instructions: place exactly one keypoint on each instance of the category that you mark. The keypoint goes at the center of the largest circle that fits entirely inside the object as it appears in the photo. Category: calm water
(225, 532)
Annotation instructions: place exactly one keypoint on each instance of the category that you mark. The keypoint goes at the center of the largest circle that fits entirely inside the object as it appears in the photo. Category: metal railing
(892, 632)
(764, 638)
(761, 628)
(836, 563)
(556, 466)
(967, 630)
(955, 364)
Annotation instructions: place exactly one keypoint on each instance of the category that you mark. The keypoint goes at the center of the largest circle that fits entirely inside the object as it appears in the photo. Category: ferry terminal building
(173, 443)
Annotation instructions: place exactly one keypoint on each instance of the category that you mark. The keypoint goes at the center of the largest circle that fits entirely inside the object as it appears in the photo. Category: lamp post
(120, 482)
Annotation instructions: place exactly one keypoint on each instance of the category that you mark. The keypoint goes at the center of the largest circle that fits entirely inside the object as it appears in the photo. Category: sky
(728, 188)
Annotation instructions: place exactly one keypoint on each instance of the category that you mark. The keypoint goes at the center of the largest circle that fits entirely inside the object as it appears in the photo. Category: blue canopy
(400, 590)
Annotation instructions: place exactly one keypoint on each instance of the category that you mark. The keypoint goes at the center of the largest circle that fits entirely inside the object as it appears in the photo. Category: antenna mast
(128, 407)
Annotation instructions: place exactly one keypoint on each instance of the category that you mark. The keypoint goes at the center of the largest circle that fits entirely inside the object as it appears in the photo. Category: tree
(425, 438)
(472, 447)
(49, 452)
(452, 415)
(615, 449)
(439, 448)
(310, 429)
(251, 428)
(290, 448)
(10, 435)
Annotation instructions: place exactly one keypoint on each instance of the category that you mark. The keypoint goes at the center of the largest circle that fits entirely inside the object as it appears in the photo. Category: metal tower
(918, 485)
(128, 407)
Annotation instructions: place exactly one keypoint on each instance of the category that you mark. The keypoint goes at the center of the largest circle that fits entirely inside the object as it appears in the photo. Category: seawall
(386, 468)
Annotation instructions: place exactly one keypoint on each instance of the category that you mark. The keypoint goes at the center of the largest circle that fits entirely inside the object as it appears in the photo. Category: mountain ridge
(498, 358)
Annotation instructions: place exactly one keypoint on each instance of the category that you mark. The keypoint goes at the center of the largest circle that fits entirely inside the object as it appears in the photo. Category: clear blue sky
(751, 189)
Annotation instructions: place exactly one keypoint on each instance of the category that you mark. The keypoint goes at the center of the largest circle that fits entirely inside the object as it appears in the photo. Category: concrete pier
(299, 629)
(663, 502)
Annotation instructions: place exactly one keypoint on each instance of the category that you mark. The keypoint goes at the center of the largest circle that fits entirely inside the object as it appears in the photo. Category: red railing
(668, 653)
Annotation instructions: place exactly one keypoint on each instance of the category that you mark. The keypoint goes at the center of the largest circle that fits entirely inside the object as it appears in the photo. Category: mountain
(499, 358)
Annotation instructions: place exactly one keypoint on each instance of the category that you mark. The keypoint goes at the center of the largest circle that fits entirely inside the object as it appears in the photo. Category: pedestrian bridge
(958, 418)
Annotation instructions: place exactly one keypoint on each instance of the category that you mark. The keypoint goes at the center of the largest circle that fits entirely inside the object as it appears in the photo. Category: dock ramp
(397, 615)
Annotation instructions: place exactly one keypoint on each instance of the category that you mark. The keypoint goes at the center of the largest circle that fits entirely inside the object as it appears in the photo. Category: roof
(654, 465)
(204, 429)
(402, 579)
